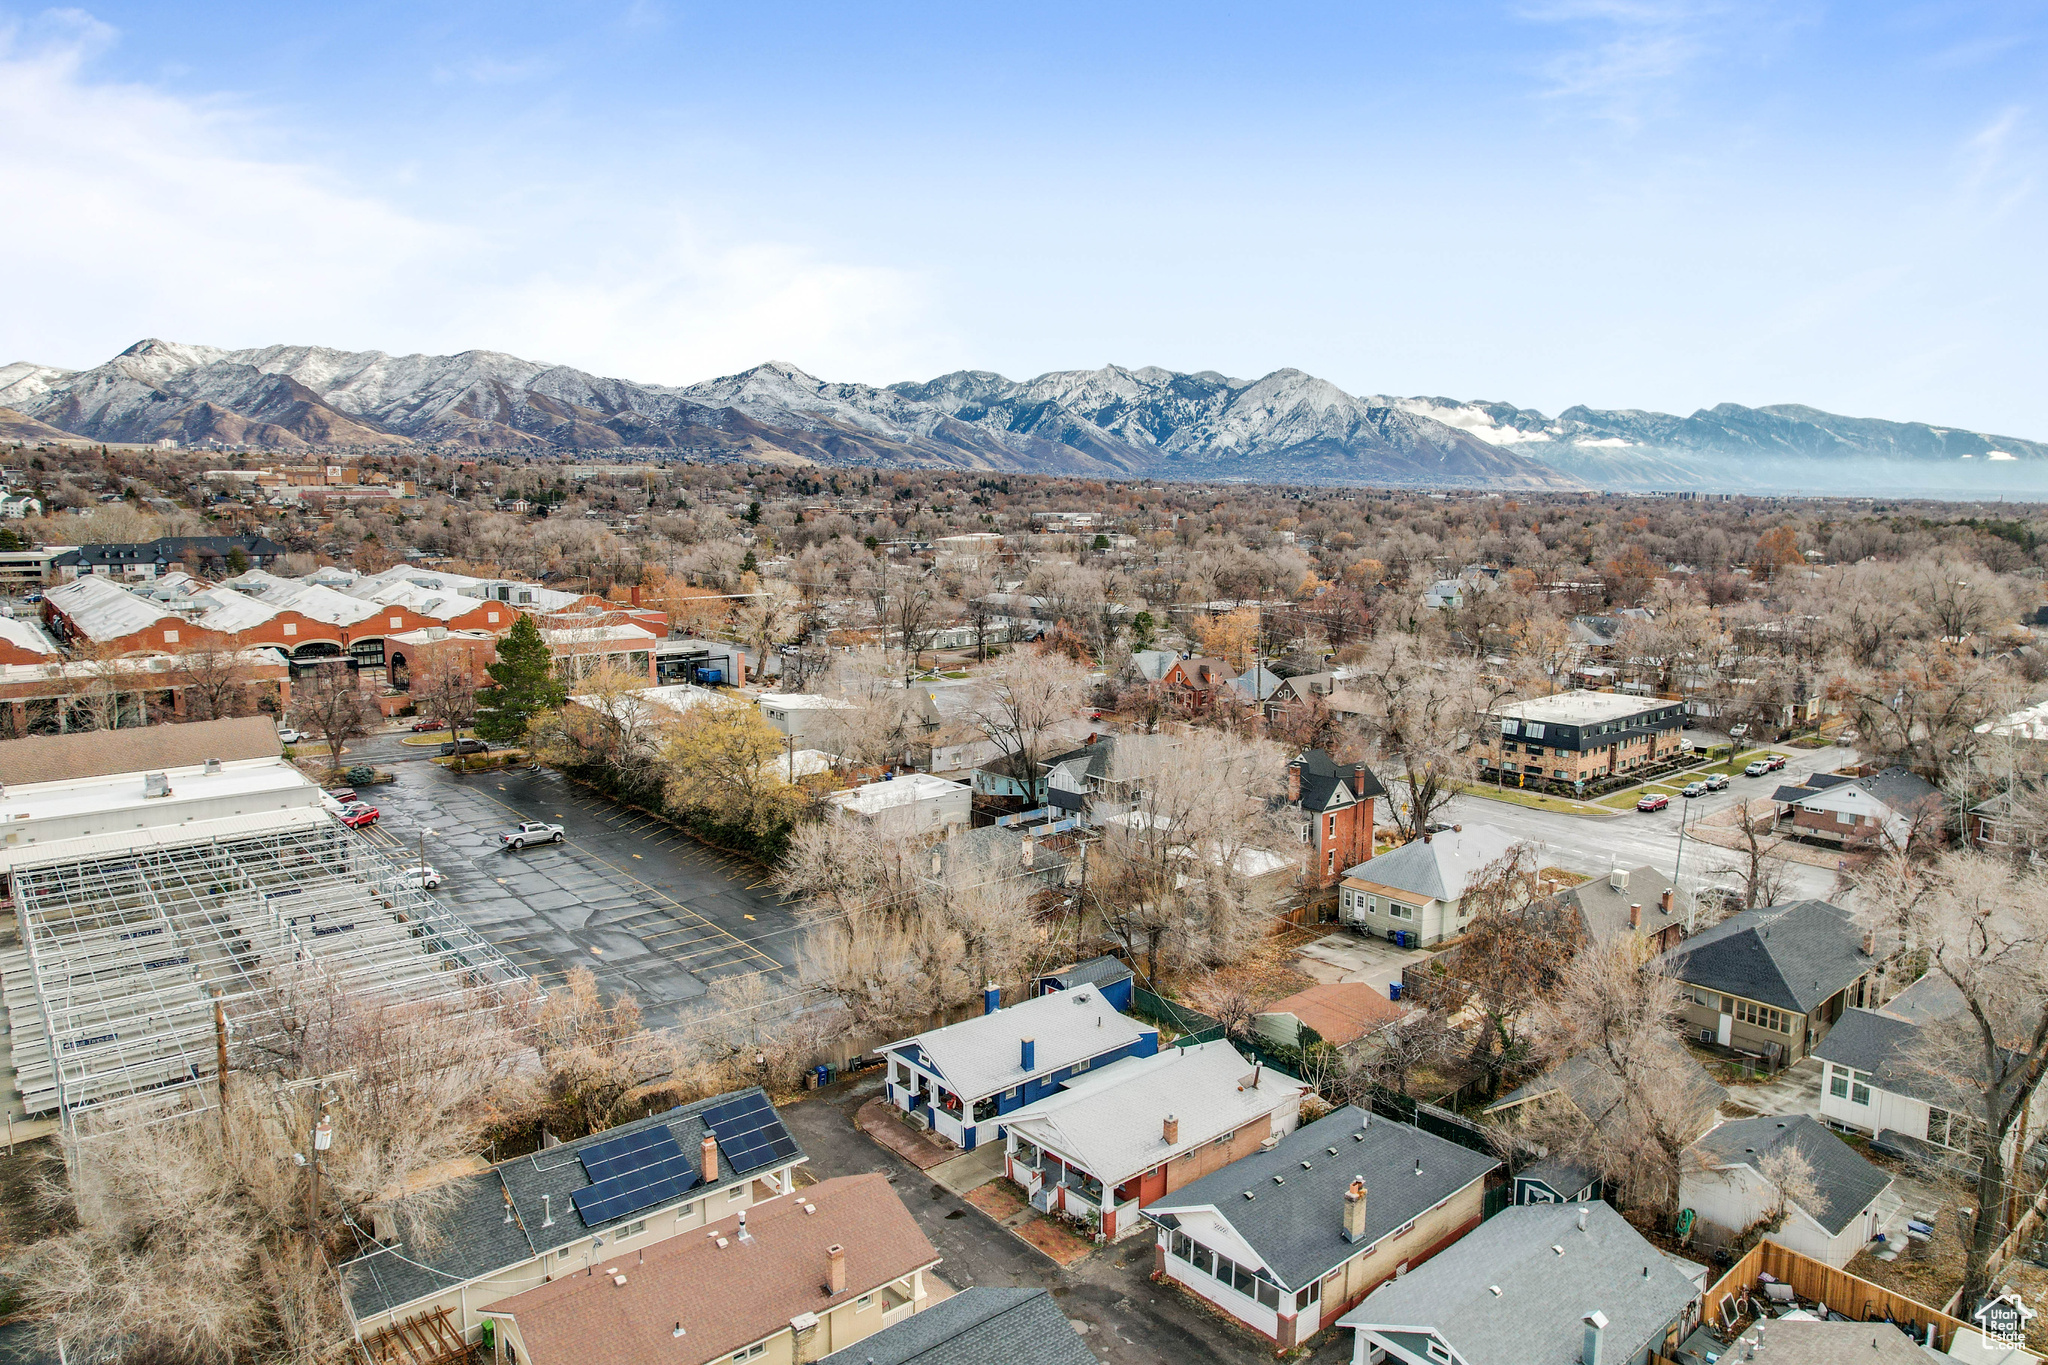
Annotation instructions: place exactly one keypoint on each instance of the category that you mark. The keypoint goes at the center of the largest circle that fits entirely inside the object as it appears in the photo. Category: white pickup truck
(531, 832)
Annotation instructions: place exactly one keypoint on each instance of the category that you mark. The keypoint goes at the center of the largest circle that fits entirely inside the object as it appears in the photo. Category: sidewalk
(884, 1123)
(1003, 1202)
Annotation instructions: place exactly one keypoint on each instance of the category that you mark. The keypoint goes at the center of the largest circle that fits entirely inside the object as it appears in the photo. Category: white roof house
(912, 801)
(1419, 888)
(1111, 1122)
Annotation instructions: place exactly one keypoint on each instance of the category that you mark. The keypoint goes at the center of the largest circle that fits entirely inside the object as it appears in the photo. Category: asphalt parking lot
(644, 906)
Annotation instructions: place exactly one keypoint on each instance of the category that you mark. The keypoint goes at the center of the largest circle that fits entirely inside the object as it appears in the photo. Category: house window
(1312, 1294)
(687, 1210)
(1437, 1351)
(1405, 1228)
(753, 1352)
(634, 1228)
(1400, 911)
(1081, 1066)
(1761, 1016)
(863, 1303)
(732, 1196)
(1333, 827)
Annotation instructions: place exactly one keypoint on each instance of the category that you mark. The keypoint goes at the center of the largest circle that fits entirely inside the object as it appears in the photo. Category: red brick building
(1334, 805)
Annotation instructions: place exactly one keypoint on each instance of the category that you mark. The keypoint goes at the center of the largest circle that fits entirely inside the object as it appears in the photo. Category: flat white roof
(804, 701)
(122, 792)
(901, 791)
(26, 635)
(1582, 708)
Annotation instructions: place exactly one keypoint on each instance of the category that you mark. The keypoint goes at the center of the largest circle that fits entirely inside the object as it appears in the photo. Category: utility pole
(220, 1048)
(322, 1138)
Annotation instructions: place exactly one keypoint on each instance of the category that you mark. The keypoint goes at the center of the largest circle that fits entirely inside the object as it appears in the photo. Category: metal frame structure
(127, 948)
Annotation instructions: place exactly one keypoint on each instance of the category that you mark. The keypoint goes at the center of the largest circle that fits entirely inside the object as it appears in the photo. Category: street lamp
(424, 832)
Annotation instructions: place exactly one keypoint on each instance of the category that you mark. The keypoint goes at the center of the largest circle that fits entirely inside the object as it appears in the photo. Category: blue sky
(1623, 203)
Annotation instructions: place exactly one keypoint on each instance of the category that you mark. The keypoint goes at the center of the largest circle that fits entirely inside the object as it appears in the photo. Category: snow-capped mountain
(1108, 422)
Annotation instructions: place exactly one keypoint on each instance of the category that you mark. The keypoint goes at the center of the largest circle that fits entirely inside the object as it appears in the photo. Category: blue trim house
(961, 1078)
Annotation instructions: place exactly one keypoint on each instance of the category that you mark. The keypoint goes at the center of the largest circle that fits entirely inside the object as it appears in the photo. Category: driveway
(644, 906)
(1108, 1295)
(1347, 956)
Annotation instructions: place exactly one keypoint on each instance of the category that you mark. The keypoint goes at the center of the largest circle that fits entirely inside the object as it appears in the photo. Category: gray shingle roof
(473, 1238)
(1605, 909)
(1322, 779)
(1096, 971)
(1594, 1090)
(1437, 865)
(1536, 1319)
(980, 1326)
(1297, 1227)
(1793, 956)
(1882, 1044)
(1845, 1183)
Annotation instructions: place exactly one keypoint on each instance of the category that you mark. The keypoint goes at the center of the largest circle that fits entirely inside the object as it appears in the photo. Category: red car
(357, 815)
(1775, 762)
(420, 727)
(1653, 803)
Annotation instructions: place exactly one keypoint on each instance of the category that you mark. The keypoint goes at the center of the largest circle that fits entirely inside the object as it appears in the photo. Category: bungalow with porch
(1286, 1239)
(1133, 1132)
(962, 1079)
(1881, 810)
(1771, 982)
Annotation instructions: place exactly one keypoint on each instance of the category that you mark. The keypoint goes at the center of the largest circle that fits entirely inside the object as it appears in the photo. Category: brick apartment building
(1581, 736)
(1334, 804)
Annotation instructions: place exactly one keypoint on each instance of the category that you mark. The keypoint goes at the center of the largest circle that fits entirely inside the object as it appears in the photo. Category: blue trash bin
(1393, 990)
(824, 1075)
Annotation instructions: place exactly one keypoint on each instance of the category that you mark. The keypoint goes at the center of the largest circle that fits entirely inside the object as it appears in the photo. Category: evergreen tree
(522, 684)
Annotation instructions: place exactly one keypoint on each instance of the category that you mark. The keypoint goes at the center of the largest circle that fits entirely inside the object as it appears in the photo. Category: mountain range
(1112, 422)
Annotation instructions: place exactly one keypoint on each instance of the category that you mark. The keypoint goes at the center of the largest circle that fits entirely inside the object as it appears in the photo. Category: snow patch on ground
(2002, 455)
(1476, 421)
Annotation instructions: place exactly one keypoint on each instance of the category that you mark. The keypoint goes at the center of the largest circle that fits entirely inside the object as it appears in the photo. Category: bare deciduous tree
(328, 702)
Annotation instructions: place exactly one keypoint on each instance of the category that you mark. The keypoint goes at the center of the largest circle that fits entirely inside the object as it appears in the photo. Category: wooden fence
(1850, 1295)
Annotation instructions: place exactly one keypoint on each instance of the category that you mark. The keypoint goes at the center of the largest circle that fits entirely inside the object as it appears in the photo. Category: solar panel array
(749, 1133)
(632, 1173)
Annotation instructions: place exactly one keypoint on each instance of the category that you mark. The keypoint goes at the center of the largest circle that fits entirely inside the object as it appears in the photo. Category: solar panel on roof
(631, 1173)
(749, 1132)
(619, 1155)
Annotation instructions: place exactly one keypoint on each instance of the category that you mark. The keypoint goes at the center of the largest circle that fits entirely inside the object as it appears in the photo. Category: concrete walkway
(1795, 1090)
(884, 1122)
(970, 1169)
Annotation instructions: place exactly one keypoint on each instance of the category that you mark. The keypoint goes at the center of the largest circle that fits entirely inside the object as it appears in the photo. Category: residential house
(1729, 1185)
(810, 1273)
(1446, 594)
(1286, 1239)
(1580, 736)
(810, 721)
(1197, 678)
(1797, 1339)
(1640, 902)
(1106, 974)
(1584, 1083)
(1014, 779)
(1107, 773)
(959, 1080)
(984, 1325)
(1877, 1079)
(1556, 1284)
(1131, 1133)
(1884, 809)
(969, 857)
(1153, 664)
(911, 803)
(562, 1210)
(1259, 686)
(1333, 805)
(2008, 823)
(1555, 1180)
(1771, 982)
(1339, 1013)
(1415, 894)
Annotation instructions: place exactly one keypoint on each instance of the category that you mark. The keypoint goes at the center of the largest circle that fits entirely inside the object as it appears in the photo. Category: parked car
(358, 814)
(420, 727)
(531, 832)
(1775, 762)
(1693, 789)
(421, 878)
(347, 796)
(287, 735)
(1756, 769)
(467, 746)
(1718, 782)
(1653, 803)
(32, 597)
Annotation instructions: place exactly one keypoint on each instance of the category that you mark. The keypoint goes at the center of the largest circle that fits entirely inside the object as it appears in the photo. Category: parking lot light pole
(424, 832)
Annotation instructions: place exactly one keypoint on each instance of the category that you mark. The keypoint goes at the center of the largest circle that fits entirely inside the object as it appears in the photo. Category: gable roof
(982, 1055)
(1594, 1091)
(725, 1296)
(1112, 1123)
(1882, 1045)
(1341, 1011)
(1537, 1317)
(1325, 782)
(1896, 789)
(1296, 1224)
(1844, 1182)
(1257, 683)
(149, 748)
(1439, 865)
(1604, 908)
(1153, 664)
(1792, 956)
(473, 1238)
(1203, 672)
(1096, 971)
(984, 1325)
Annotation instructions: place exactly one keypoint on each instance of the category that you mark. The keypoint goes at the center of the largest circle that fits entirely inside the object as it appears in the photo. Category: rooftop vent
(155, 785)
(213, 765)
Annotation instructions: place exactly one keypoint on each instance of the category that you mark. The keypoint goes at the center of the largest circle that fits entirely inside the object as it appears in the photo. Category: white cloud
(1630, 59)
(155, 214)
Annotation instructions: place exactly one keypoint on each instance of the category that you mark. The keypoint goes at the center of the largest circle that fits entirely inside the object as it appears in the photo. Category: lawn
(1521, 797)
(427, 737)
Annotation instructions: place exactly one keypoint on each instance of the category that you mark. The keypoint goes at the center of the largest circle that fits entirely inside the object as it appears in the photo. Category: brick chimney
(1635, 916)
(1294, 783)
(1354, 1210)
(1358, 781)
(1665, 903)
(710, 1159)
(835, 1269)
(1170, 1130)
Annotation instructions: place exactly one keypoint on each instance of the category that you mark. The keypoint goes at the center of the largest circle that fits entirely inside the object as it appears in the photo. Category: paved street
(1587, 843)
(644, 906)
(1109, 1295)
